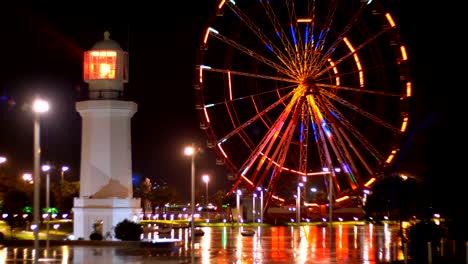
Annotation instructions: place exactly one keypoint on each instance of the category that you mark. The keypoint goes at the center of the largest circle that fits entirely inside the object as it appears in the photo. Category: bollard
(429, 253)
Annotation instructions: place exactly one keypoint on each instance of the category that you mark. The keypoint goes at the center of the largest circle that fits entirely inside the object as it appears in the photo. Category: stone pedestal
(109, 212)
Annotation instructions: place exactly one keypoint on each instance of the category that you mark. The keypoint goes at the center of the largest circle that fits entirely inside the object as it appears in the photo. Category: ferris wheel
(307, 92)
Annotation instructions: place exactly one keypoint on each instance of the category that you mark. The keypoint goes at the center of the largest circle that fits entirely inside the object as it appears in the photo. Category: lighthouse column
(106, 158)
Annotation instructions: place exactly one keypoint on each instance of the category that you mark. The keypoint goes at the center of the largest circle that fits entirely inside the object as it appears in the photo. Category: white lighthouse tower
(106, 195)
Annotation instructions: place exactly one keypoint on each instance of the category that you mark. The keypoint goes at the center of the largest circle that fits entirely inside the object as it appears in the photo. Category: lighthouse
(106, 191)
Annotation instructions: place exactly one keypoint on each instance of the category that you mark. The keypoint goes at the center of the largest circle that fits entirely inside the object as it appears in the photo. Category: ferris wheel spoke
(248, 122)
(337, 122)
(339, 39)
(361, 111)
(265, 146)
(354, 131)
(349, 54)
(235, 123)
(247, 74)
(253, 54)
(258, 32)
(359, 90)
(280, 33)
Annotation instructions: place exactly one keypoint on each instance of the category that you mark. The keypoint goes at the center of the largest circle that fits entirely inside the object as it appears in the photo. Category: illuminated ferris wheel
(310, 91)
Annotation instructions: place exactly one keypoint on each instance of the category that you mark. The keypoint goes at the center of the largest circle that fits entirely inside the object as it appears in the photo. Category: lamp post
(254, 197)
(192, 152)
(2, 159)
(298, 203)
(238, 194)
(260, 189)
(46, 169)
(206, 180)
(39, 106)
(64, 169)
(62, 174)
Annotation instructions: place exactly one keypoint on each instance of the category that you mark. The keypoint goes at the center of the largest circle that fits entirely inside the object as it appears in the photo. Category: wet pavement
(280, 244)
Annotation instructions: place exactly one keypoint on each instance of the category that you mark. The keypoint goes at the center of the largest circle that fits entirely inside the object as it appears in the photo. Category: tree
(145, 194)
(392, 196)
(14, 201)
(7, 181)
(162, 195)
(64, 194)
(320, 197)
(218, 198)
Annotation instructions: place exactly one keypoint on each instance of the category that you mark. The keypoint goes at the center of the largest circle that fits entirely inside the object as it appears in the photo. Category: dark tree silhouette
(14, 202)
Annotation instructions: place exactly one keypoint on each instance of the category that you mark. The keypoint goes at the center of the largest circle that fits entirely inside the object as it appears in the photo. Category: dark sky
(43, 45)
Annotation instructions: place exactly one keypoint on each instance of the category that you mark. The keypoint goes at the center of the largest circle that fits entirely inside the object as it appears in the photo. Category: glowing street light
(27, 177)
(254, 197)
(38, 107)
(206, 180)
(2, 159)
(238, 194)
(64, 169)
(298, 202)
(260, 189)
(192, 152)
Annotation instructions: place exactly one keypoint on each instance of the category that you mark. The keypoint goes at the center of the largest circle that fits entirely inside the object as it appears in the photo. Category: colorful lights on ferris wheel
(210, 29)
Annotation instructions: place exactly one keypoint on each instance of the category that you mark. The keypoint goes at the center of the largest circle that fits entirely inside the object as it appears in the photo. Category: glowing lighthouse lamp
(106, 61)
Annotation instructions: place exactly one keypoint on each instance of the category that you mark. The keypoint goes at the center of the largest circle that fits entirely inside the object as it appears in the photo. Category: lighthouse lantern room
(105, 69)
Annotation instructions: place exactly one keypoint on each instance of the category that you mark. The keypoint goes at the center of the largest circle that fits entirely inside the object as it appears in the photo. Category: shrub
(419, 234)
(128, 230)
(95, 236)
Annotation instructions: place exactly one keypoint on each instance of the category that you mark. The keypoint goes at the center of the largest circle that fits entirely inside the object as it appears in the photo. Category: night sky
(43, 45)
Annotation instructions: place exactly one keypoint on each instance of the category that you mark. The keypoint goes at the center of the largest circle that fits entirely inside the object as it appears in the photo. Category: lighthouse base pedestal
(102, 214)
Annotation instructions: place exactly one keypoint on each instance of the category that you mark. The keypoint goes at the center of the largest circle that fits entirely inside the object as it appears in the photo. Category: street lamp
(298, 202)
(46, 169)
(39, 106)
(62, 172)
(238, 194)
(206, 179)
(64, 169)
(313, 190)
(254, 196)
(2, 159)
(192, 152)
(260, 189)
(27, 177)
